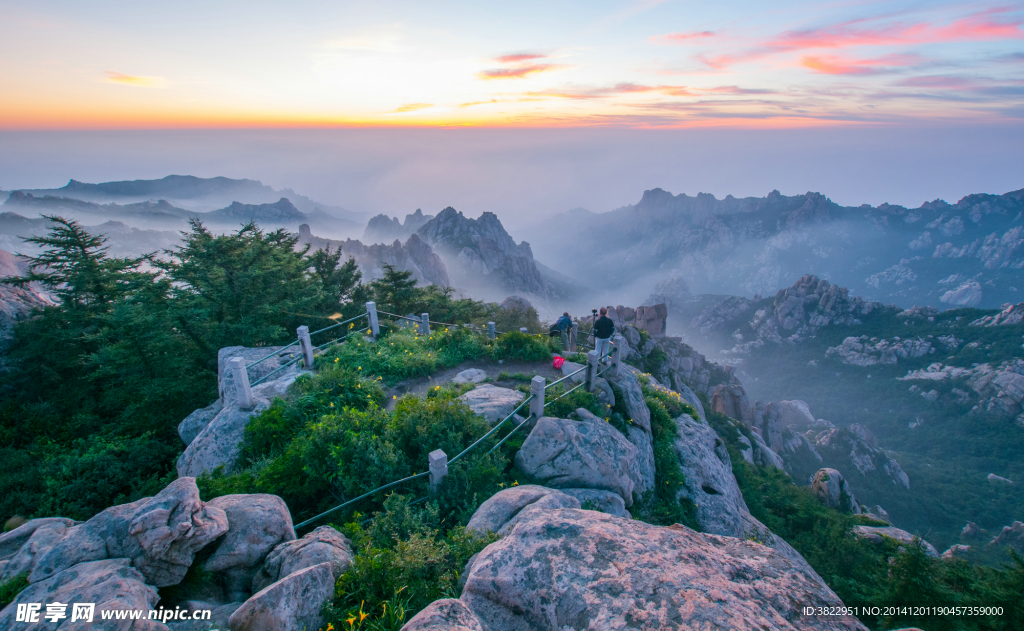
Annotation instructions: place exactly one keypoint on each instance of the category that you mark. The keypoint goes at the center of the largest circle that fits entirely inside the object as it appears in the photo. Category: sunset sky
(647, 63)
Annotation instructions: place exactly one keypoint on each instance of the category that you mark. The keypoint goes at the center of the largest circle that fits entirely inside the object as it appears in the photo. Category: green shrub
(10, 589)
(516, 346)
(663, 506)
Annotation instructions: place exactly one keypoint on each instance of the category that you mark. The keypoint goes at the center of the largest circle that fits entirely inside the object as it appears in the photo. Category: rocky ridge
(414, 256)
(999, 389)
(384, 229)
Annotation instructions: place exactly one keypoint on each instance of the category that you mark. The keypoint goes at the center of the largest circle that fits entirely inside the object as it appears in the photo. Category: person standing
(563, 325)
(603, 330)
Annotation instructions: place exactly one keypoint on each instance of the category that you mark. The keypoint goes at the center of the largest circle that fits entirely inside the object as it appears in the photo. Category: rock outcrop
(1011, 314)
(293, 603)
(831, 488)
(575, 569)
(878, 534)
(492, 402)
(502, 511)
(864, 351)
(999, 389)
(384, 229)
(323, 545)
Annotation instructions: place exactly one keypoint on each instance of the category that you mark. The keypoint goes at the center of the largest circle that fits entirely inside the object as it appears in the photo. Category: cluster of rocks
(975, 538)
(864, 351)
(683, 370)
(720, 315)
(1000, 389)
(414, 256)
(258, 576)
(1011, 314)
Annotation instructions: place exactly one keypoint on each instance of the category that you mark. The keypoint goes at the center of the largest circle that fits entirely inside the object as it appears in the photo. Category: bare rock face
(1011, 314)
(589, 453)
(603, 501)
(160, 535)
(21, 548)
(110, 584)
(501, 511)
(632, 396)
(293, 603)
(323, 545)
(197, 421)
(492, 402)
(258, 523)
(878, 534)
(575, 569)
(731, 400)
(710, 484)
(1012, 536)
(831, 488)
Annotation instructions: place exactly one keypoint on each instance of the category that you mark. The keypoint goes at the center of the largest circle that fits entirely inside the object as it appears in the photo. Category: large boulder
(588, 453)
(492, 402)
(218, 442)
(323, 545)
(832, 489)
(197, 421)
(293, 603)
(878, 534)
(499, 513)
(575, 569)
(704, 460)
(160, 535)
(111, 584)
(258, 523)
(632, 396)
(21, 548)
(642, 472)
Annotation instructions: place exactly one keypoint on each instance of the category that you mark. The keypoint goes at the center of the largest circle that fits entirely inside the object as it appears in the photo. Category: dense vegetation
(948, 452)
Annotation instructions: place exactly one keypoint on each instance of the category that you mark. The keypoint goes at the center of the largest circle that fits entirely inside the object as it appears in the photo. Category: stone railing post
(306, 345)
(523, 329)
(573, 334)
(425, 326)
(591, 373)
(490, 331)
(371, 315)
(537, 385)
(437, 461)
(618, 342)
(243, 391)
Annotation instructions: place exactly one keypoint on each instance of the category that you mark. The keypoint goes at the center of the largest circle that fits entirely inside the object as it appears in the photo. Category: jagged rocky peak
(415, 256)
(482, 248)
(280, 211)
(384, 229)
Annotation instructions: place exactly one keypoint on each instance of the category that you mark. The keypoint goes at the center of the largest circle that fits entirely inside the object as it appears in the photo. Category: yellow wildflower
(351, 621)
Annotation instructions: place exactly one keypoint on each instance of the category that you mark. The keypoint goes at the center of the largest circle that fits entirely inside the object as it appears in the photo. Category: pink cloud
(518, 57)
(615, 90)
(518, 72)
(981, 26)
(681, 38)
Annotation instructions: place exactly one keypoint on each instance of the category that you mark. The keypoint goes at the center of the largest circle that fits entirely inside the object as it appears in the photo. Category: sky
(637, 63)
(524, 109)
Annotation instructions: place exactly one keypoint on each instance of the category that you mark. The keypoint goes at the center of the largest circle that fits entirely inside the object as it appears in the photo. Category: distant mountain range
(946, 255)
(193, 194)
(163, 214)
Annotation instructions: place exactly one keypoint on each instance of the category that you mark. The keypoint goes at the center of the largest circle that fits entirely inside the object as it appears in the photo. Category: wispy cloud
(518, 72)
(682, 38)
(850, 66)
(139, 82)
(518, 57)
(412, 107)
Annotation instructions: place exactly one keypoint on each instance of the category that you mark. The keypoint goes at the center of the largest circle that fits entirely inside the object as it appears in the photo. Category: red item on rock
(558, 363)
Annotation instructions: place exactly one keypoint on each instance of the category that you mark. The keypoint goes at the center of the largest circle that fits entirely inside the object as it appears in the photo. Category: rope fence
(437, 460)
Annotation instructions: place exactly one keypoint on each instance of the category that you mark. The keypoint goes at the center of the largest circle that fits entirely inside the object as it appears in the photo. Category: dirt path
(420, 385)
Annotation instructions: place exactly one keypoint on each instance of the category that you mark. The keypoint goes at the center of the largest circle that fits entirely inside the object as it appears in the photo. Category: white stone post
(490, 331)
(591, 373)
(573, 335)
(306, 345)
(371, 315)
(537, 385)
(438, 465)
(523, 329)
(425, 327)
(243, 391)
(618, 342)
